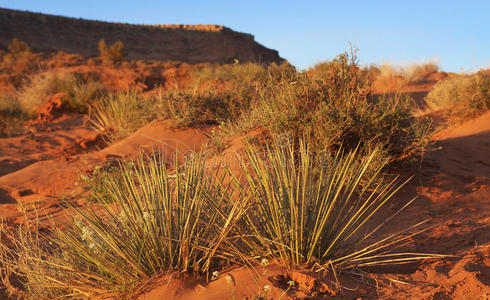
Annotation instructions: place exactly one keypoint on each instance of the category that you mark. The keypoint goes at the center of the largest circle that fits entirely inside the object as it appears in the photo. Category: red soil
(44, 165)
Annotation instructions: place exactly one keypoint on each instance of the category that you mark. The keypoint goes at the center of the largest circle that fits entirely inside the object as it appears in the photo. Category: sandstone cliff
(186, 43)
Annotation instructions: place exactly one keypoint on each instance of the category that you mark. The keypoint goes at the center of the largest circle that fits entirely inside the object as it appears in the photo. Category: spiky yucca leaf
(150, 223)
(306, 211)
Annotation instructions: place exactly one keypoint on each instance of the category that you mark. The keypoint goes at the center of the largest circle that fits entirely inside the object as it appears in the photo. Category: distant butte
(185, 43)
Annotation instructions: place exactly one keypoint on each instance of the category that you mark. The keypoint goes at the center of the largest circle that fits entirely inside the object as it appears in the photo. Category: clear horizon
(456, 35)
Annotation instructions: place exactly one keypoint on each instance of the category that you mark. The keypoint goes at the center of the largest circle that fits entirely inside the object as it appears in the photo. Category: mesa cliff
(185, 43)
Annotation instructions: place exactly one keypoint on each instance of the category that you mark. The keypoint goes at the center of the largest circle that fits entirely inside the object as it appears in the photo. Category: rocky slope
(186, 43)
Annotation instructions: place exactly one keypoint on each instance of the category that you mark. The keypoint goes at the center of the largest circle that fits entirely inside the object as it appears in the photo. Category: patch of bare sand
(56, 174)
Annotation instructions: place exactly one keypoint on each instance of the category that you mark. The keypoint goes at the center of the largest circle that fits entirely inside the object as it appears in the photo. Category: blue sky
(455, 33)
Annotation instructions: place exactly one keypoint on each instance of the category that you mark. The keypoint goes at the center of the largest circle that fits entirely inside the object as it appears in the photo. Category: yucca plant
(150, 223)
(306, 212)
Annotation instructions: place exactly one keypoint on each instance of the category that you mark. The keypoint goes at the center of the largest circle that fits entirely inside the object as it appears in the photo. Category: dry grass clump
(11, 115)
(37, 88)
(123, 113)
(215, 94)
(152, 222)
(18, 65)
(20, 104)
(112, 54)
(462, 96)
(388, 77)
(18, 46)
(416, 72)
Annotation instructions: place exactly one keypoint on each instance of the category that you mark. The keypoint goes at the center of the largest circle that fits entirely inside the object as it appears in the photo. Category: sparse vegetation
(329, 104)
(17, 46)
(308, 200)
(80, 93)
(462, 96)
(391, 78)
(123, 113)
(11, 115)
(113, 54)
(293, 209)
(331, 107)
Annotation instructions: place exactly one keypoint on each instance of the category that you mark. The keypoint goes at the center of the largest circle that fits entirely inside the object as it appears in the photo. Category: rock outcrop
(186, 43)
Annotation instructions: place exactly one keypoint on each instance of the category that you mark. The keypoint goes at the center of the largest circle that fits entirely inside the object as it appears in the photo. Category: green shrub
(462, 96)
(114, 53)
(17, 46)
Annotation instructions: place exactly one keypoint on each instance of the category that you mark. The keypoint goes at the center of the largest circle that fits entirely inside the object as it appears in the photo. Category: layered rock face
(186, 43)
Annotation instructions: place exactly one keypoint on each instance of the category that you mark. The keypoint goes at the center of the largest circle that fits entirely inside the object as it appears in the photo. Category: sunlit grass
(151, 223)
(461, 96)
(123, 113)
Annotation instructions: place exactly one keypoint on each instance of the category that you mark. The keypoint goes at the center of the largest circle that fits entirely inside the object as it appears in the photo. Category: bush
(388, 78)
(416, 72)
(152, 223)
(11, 116)
(308, 209)
(17, 46)
(123, 113)
(189, 108)
(462, 96)
(215, 94)
(114, 53)
(85, 93)
(37, 88)
(331, 107)
(19, 66)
